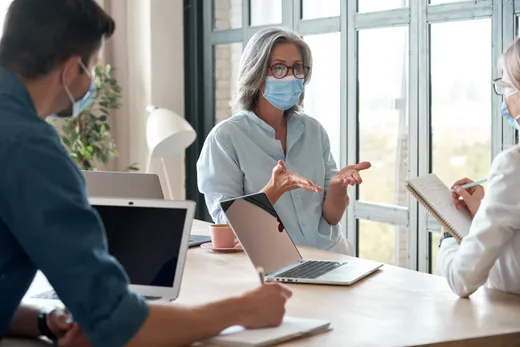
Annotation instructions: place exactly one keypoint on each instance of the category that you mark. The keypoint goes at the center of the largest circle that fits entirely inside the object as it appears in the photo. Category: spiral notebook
(435, 196)
(290, 329)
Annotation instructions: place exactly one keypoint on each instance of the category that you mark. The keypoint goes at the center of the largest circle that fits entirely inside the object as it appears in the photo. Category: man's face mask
(77, 106)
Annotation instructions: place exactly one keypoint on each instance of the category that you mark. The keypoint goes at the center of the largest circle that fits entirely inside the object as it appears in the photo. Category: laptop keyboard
(311, 269)
(52, 295)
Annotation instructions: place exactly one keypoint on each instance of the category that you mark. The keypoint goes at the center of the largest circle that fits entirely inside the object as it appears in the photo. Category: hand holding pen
(468, 194)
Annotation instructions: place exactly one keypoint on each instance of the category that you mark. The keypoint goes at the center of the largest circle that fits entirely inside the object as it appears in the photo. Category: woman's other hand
(349, 175)
(283, 181)
(469, 198)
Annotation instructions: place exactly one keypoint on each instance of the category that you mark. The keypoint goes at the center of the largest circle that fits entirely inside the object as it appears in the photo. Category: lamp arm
(149, 163)
(167, 179)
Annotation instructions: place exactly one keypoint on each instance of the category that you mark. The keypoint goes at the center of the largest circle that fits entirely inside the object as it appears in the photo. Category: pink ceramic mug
(222, 236)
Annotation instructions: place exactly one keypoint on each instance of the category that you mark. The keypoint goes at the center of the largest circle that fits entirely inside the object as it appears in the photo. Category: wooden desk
(393, 307)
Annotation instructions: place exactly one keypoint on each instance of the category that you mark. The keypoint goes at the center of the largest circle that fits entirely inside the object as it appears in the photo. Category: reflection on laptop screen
(145, 240)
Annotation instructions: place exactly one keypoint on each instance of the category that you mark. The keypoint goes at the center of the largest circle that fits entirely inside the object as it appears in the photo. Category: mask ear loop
(67, 90)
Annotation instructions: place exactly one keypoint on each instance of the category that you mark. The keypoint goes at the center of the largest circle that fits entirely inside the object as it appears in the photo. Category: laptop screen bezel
(154, 291)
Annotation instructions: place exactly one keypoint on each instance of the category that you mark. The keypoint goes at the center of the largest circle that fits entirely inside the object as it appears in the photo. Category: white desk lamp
(166, 134)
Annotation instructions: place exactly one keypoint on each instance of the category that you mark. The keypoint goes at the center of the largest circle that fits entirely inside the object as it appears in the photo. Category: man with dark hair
(47, 53)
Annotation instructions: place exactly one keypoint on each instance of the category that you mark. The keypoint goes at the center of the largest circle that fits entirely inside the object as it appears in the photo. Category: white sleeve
(466, 267)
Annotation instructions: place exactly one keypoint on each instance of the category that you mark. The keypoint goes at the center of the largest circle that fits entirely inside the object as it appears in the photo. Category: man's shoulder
(18, 124)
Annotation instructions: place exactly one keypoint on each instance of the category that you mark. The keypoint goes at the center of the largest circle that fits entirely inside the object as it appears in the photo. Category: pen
(260, 271)
(469, 185)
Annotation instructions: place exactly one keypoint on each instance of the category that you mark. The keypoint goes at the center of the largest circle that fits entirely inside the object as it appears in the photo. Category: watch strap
(43, 328)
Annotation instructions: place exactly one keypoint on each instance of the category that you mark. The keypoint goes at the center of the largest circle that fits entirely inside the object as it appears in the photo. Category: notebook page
(438, 196)
(290, 328)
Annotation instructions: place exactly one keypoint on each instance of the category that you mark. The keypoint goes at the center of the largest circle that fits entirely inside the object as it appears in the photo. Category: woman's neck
(270, 114)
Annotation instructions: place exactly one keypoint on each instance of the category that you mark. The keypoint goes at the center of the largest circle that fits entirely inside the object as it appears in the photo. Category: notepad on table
(291, 328)
(435, 196)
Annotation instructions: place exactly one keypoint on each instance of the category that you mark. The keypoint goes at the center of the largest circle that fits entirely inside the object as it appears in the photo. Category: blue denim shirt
(47, 224)
(238, 158)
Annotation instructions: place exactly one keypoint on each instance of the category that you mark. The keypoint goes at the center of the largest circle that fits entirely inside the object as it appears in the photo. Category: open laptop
(131, 185)
(268, 245)
(140, 236)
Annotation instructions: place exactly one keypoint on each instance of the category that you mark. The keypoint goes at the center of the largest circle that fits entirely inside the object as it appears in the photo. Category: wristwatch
(43, 328)
(444, 235)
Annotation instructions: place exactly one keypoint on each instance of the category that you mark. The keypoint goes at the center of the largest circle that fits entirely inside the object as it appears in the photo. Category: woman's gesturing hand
(283, 181)
(349, 175)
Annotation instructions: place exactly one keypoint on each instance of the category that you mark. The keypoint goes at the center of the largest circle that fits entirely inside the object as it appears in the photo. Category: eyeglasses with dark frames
(500, 86)
(280, 70)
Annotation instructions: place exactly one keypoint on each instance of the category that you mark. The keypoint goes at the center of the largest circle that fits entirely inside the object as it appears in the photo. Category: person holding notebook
(271, 131)
(491, 250)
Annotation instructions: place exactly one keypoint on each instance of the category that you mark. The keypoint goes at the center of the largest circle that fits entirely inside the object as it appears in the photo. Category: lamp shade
(167, 133)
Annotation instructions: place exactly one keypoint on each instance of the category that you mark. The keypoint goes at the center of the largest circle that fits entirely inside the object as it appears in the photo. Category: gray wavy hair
(254, 65)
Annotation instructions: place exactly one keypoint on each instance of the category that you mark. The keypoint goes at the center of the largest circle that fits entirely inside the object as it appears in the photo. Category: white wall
(147, 51)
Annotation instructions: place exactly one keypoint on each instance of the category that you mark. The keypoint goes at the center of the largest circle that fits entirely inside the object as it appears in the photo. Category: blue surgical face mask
(81, 104)
(513, 121)
(283, 93)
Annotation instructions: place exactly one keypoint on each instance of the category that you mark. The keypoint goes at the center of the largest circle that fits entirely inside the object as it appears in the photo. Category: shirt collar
(293, 121)
(12, 86)
(295, 127)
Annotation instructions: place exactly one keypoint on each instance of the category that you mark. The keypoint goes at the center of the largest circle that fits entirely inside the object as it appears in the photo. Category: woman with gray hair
(491, 251)
(308, 192)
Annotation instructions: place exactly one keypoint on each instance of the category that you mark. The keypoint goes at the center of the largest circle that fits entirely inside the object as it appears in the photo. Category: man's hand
(349, 175)
(69, 334)
(467, 198)
(74, 337)
(266, 306)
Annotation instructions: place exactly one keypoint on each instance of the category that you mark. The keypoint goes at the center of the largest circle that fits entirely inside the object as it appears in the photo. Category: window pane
(377, 241)
(320, 9)
(227, 14)
(265, 12)
(383, 114)
(435, 2)
(461, 100)
(380, 5)
(227, 59)
(435, 239)
(323, 94)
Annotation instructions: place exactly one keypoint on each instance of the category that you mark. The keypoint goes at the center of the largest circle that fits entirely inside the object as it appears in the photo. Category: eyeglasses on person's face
(502, 87)
(280, 70)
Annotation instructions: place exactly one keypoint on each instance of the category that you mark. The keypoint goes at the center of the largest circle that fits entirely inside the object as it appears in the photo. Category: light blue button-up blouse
(239, 155)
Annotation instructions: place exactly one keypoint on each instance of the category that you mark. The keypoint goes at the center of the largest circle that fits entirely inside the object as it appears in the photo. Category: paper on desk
(290, 328)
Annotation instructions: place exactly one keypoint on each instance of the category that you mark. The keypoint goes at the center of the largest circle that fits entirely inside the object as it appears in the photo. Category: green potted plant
(87, 137)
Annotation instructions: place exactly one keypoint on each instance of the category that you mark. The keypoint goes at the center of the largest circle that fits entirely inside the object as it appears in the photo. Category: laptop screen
(145, 240)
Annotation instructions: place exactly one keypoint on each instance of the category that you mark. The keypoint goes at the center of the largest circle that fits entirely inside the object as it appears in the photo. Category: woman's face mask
(283, 93)
(512, 120)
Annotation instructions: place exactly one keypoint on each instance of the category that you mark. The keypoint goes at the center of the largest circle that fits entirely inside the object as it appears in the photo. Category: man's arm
(46, 209)
(24, 323)
(174, 325)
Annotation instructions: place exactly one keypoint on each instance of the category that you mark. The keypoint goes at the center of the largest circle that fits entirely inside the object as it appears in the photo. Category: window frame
(418, 17)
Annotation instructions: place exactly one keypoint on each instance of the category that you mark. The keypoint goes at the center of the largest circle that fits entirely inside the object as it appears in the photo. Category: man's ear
(70, 70)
